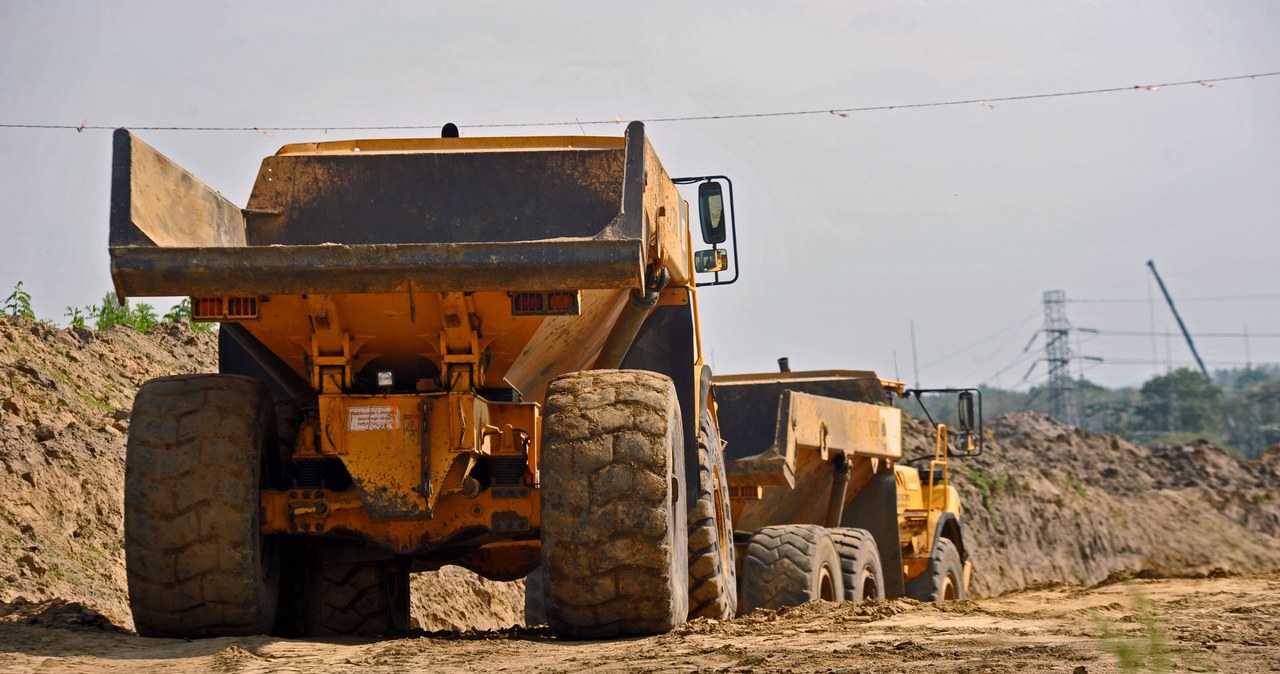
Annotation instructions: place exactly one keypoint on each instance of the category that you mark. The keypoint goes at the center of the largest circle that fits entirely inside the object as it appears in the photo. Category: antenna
(915, 362)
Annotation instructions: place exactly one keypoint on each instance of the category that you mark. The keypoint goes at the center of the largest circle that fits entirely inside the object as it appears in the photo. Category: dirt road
(1200, 625)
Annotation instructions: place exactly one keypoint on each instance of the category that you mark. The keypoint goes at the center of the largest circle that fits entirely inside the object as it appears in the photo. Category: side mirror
(713, 260)
(711, 212)
(966, 412)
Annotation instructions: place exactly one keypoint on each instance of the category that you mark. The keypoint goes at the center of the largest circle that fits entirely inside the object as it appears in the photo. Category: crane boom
(1181, 326)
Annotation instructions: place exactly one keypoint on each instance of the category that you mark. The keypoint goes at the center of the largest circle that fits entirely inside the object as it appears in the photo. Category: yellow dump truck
(824, 503)
(470, 351)
(481, 352)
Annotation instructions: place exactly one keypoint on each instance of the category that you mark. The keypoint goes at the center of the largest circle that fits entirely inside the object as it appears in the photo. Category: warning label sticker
(373, 418)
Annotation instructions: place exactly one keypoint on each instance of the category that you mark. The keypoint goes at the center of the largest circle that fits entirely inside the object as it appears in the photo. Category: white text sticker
(373, 418)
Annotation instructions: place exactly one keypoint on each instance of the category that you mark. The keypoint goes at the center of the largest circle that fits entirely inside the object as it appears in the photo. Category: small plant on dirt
(143, 317)
(987, 485)
(78, 317)
(181, 313)
(18, 303)
(111, 311)
(1077, 487)
(1263, 497)
(1149, 650)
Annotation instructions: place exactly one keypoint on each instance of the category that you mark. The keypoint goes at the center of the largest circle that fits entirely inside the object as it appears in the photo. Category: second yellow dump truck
(483, 352)
(824, 503)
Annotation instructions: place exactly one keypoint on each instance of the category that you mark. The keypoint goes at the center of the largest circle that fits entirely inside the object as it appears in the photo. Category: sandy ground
(1229, 624)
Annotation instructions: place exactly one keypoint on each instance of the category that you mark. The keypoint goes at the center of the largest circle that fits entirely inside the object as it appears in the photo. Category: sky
(852, 228)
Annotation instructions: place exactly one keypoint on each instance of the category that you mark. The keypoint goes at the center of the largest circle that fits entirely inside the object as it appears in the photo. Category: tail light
(234, 308)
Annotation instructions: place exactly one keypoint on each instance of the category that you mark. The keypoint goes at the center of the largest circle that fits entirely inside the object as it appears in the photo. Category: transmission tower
(1057, 353)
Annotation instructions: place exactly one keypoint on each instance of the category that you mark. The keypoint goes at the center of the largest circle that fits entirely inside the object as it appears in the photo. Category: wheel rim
(869, 590)
(826, 584)
(948, 588)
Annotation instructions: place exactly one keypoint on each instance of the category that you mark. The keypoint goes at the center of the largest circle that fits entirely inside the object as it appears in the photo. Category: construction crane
(1181, 326)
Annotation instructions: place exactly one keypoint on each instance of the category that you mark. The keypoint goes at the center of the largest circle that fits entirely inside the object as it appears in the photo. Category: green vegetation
(1076, 486)
(1239, 410)
(181, 313)
(107, 313)
(111, 311)
(987, 485)
(18, 303)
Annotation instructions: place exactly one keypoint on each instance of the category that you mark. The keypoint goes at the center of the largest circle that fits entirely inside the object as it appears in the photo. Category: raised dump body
(442, 323)
(817, 482)
(545, 236)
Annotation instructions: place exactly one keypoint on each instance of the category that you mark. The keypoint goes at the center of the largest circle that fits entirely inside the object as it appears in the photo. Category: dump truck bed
(369, 216)
(784, 430)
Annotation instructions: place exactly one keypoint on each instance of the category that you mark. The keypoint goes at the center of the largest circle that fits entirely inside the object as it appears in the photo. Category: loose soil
(1090, 550)
(1229, 624)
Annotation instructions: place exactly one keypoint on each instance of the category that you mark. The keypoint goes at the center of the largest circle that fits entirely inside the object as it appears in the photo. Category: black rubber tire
(340, 598)
(197, 563)
(535, 599)
(615, 555)
(713, 578)
(357, 599)
(944, 579)
(859, 563)
(789, 565)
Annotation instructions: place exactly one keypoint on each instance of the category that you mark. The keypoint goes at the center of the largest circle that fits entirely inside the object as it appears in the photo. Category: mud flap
(876, 509)
(664, 344)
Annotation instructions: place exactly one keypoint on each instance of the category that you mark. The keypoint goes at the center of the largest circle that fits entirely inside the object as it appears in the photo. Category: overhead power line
(1197, 335)
(1144, 300)
(1209, 82)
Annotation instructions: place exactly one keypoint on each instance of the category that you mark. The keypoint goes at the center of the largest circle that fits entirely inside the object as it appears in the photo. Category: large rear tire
(944, 579)
(859, 564)
(197, 563)
(713, 581)
(615, 556)
(789, 565)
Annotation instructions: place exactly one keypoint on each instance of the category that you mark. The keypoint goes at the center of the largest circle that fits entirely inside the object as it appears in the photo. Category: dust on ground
(1050, 513)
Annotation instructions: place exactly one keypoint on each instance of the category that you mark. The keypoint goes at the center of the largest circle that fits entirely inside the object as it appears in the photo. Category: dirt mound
(1051, 503)
(65, 397)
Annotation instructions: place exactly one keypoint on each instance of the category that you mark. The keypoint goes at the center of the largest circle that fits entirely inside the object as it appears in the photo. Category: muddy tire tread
(943, 559)
(713, 586)
(355, 600)
(192, 474)
(780, 564)
(614, 555)
(858, 553)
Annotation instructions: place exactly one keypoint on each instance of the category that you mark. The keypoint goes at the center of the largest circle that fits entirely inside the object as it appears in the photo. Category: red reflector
(562, 302)
(557, 303)
(224, 309)
(206, 308)
(526, 303)
(242, 307)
